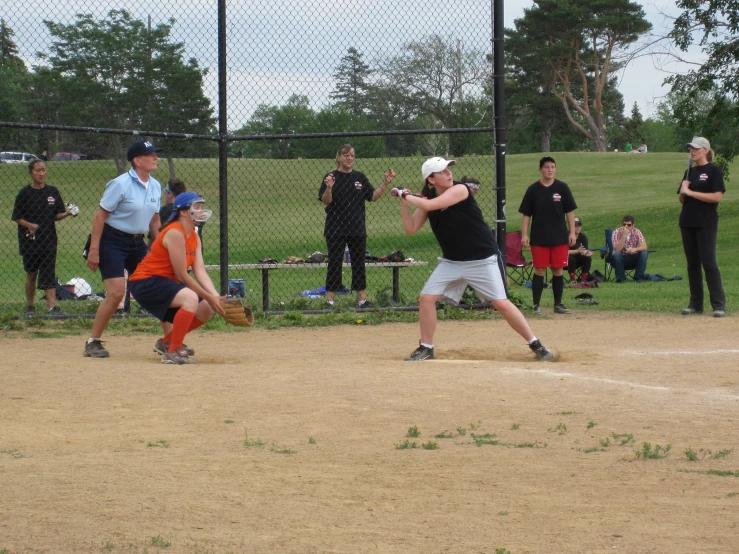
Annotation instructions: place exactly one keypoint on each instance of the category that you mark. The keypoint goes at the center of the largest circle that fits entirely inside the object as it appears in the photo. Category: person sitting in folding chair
(579, 256)
(629, 251)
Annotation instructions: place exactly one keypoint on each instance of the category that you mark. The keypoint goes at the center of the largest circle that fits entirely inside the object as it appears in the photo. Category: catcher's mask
(192, 202)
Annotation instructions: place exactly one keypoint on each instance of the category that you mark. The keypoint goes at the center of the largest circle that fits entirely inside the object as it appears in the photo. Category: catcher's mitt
(236, 313)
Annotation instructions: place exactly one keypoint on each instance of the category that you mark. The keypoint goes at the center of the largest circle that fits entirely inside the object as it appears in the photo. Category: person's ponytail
(709, 155)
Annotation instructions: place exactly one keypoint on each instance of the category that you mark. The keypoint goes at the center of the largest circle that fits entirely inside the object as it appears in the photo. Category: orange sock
(195, 324)
(181, 324)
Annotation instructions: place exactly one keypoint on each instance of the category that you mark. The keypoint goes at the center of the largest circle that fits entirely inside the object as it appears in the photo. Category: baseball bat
(399, 192)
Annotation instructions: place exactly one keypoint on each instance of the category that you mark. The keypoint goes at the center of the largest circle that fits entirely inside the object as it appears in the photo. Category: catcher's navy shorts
(155, 294)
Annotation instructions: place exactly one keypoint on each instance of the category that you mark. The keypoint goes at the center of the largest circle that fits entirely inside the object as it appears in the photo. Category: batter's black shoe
(542, 352)
(421, 353)
(162, 348)
(95, 349)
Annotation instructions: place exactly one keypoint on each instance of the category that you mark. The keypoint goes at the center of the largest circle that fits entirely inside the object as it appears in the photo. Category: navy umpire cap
(141, 148)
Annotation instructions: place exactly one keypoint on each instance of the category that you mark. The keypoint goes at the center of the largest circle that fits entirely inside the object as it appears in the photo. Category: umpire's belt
(113, 230)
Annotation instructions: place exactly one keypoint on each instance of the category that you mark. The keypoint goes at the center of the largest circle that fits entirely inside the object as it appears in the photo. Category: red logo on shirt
(703, 177)
(557, 197)
(357, 185)
(51, 200)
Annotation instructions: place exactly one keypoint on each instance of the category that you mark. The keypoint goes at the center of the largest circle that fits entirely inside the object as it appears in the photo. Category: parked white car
(17, 157)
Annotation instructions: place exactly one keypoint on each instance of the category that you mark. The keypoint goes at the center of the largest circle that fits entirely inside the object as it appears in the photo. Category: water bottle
(347, 256)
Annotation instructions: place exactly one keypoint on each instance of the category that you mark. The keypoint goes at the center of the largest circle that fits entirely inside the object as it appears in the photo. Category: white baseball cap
(699, 142)
(432, 165)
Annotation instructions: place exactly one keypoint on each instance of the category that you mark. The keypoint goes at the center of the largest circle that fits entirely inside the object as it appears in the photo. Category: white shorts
(450, 279)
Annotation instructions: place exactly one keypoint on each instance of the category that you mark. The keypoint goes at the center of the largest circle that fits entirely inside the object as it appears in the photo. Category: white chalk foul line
(679, 352)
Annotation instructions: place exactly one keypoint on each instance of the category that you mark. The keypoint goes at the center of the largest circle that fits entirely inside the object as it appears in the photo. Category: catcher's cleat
(176, 358)
(162, 347)
(421, 353)
(542, 352)
(95, 349)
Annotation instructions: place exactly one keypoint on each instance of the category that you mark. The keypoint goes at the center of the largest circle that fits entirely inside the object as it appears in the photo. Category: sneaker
(719, 313)
(560, 309)
(537, 309)
(95, 349)
(176, 357)
(162, 347)
(690, 311)
(573, 281)
(367, 305)
(541, 351)
(328, 306)
(55, 311)
(421, 353)
(30, 311)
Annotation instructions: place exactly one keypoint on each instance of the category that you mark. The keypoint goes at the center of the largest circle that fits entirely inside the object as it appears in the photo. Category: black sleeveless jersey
(462, 232)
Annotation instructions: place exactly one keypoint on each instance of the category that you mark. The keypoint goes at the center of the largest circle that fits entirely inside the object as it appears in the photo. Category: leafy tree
(352, 83)
(117, 73)
(430, 78)
(8, 47)
(14, 80)
(633, 125)
(580, 43)
(717, 26)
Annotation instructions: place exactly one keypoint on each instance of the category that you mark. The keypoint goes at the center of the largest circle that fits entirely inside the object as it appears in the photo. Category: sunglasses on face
(628, 224)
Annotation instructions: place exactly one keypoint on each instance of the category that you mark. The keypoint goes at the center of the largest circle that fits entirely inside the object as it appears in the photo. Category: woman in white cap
(471, 255)
(700, 193)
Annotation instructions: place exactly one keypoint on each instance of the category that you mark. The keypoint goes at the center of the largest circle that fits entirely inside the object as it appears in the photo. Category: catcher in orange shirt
(162, 285)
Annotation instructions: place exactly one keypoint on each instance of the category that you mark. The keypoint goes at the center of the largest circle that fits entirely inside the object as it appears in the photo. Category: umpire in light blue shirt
(129, 208)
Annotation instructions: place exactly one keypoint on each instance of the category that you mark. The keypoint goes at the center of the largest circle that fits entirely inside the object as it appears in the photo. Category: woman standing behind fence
(700, 193)
(37, 208)
(344, 192)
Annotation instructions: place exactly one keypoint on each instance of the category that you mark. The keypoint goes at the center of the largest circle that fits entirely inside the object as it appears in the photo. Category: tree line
(561, 93)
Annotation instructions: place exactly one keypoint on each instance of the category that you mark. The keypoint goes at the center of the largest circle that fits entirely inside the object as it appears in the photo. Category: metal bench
(266, 268)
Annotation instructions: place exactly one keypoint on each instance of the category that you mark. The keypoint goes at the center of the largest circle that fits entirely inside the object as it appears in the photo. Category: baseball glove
(236, 313)
(73, 209)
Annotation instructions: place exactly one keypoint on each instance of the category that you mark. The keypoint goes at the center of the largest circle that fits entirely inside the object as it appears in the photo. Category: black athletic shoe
(328, 306)
(537, 309)
(30, 311)
(367, 305)
(541, 351)
(560, 309)
(95, 349)
(690, 311)
(421, 353)
(55, 311)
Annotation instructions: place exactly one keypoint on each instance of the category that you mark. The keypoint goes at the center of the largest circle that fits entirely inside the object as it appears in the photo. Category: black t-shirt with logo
(547, 207)
(461, 230)
(39, 206)
(582, 240)
(697, 213)
(345, 214)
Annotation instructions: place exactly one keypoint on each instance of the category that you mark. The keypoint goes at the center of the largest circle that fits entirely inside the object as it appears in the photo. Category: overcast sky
(279, 47)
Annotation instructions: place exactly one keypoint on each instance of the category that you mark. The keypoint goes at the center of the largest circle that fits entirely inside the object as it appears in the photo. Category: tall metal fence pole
(499, 124)
(223, 144)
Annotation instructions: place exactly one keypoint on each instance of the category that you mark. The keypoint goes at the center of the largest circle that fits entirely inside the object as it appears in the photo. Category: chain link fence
(399, 81)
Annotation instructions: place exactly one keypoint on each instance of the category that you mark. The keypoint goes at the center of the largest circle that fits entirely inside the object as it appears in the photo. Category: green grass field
(274, 212)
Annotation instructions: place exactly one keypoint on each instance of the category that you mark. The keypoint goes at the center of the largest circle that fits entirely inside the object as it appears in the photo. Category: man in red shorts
(548, 202)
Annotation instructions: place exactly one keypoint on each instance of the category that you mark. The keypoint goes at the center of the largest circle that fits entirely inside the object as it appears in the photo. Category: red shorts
(550, 256)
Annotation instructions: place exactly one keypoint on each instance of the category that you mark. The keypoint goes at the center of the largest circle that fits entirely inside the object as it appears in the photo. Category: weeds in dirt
(722, 453)
(107, 545)
(560, 429)
(649, 453)
(515, 427)
(13, 454)
(594, 449)
(591, 424)
(503, 513)
(311, 440)
(461, 431)
(444, 435)
(528, 445)
(485, 439)
(730, 495)
(228, 421)
(606, 442)
(160, 542)
(623, 439)
(413, 432)
(158, 444)
(259, 443)
(277, 450)
(430, 445)
(692, 455)
(566, 413)
(716, 472)
(405, 445)
(502, 550)
(474, 426)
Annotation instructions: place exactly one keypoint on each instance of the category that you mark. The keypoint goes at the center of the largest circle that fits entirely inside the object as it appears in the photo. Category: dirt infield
(128, 455)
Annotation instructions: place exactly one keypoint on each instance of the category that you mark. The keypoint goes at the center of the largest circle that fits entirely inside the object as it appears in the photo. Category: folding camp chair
(518, 269)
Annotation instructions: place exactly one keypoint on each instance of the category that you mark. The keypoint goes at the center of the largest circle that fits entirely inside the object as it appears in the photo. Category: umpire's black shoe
(421, 353)
(542, 352)
(95, 349)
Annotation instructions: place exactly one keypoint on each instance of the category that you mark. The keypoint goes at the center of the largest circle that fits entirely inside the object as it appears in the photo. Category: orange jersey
(157, 262)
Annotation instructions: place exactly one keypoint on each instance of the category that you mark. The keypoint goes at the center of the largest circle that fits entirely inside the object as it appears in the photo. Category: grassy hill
(274, 212)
